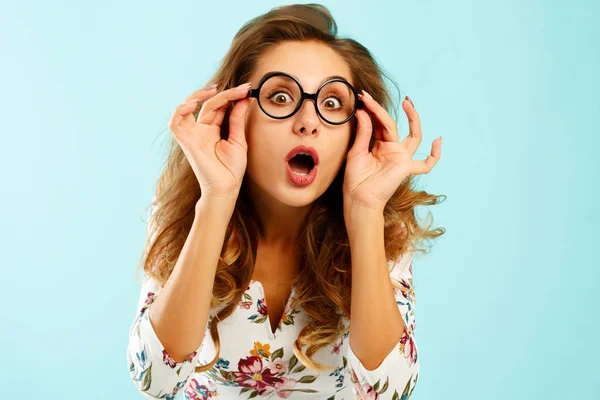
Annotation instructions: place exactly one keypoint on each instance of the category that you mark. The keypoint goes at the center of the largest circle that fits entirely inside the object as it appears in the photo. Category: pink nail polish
(244, 87)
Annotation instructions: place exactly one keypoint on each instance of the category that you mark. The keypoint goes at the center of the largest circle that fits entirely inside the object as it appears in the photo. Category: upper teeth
(304, 153)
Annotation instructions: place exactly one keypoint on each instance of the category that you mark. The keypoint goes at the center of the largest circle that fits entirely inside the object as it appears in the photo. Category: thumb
(364, 131)
(237, 121)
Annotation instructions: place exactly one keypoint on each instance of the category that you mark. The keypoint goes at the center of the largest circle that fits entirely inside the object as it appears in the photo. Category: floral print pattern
(254, 364)
(261, 315)
(263, 373)
(196, 391)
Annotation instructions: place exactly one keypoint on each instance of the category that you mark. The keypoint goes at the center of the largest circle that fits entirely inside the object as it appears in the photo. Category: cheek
(264, 149)
(251, 122)
(344, 142)
(338, 151)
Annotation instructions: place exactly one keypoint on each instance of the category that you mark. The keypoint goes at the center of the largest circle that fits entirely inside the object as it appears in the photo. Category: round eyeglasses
(280, 96)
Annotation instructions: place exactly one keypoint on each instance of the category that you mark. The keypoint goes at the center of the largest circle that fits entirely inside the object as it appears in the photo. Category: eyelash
(337, 98)
(281, 90)
(278, 91)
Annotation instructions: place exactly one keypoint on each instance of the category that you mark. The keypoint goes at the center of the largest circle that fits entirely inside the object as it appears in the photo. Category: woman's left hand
(371, 178)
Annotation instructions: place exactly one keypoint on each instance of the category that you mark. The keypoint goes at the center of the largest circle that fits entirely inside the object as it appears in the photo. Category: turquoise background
(507, 303)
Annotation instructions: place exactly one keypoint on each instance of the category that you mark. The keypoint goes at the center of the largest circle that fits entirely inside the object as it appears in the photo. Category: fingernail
(367, 95)
(244, 87)
(408, 98)
(211, 87)
(192, 101)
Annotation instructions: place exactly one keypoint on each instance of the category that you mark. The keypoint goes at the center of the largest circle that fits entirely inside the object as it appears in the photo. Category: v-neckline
(273, 335)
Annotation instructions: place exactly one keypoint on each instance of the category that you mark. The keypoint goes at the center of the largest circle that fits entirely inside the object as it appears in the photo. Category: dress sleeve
(154, 372)
(396, 377)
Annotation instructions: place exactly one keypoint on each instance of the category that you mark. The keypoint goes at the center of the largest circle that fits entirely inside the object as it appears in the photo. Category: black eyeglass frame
(303, 95)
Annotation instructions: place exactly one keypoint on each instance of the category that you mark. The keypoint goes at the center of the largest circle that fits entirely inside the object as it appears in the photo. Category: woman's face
(270, 140)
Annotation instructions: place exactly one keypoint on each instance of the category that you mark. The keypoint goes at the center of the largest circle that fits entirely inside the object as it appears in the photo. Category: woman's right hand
(219, 165)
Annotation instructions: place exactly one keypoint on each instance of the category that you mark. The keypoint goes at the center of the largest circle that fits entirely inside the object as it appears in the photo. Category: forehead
(310, 62)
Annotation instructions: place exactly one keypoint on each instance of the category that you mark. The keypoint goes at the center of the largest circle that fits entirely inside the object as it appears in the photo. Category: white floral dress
(254, 362)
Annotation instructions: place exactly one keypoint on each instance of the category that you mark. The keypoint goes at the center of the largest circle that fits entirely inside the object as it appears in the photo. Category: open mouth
(302, 164)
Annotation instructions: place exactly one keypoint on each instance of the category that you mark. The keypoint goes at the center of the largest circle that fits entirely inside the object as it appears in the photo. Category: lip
(301, 180)
(303, 149)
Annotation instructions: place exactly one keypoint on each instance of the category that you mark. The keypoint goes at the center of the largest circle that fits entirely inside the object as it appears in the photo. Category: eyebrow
(322, 82)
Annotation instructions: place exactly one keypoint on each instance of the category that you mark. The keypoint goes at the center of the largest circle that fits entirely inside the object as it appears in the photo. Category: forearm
(180, 313)
(376, 323)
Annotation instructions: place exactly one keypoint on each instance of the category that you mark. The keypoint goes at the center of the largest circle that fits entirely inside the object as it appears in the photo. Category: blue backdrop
(507, 300)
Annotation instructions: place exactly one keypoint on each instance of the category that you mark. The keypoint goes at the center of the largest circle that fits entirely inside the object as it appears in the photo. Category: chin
(280, 189)
(297, 200)
(294, 196)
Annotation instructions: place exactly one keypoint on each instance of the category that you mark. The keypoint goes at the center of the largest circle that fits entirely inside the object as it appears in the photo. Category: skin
(370, 180)
(281, 205)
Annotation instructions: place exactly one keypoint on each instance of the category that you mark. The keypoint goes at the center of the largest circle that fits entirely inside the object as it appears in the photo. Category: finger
(218, 103)
(202, 94)
(221, 112)
(237, 121)
(390, 130)
(415, 136)
(424, 166)
(219, 115)
(182, 116)
(364, 131)
(378, 127)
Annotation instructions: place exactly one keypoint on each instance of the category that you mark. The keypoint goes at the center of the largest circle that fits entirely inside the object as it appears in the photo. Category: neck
(281, 224)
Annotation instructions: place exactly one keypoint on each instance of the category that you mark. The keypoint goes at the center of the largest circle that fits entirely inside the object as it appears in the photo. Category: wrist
(358, 219)
(222, 204)
(353, 208)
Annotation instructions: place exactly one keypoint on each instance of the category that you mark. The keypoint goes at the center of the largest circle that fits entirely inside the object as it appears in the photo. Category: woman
(280, 240)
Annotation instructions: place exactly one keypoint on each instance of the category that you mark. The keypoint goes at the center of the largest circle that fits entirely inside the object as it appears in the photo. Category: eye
(333, 102)
(280, 97)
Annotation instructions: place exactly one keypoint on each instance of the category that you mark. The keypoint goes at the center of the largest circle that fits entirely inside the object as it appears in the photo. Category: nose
(307, 120)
